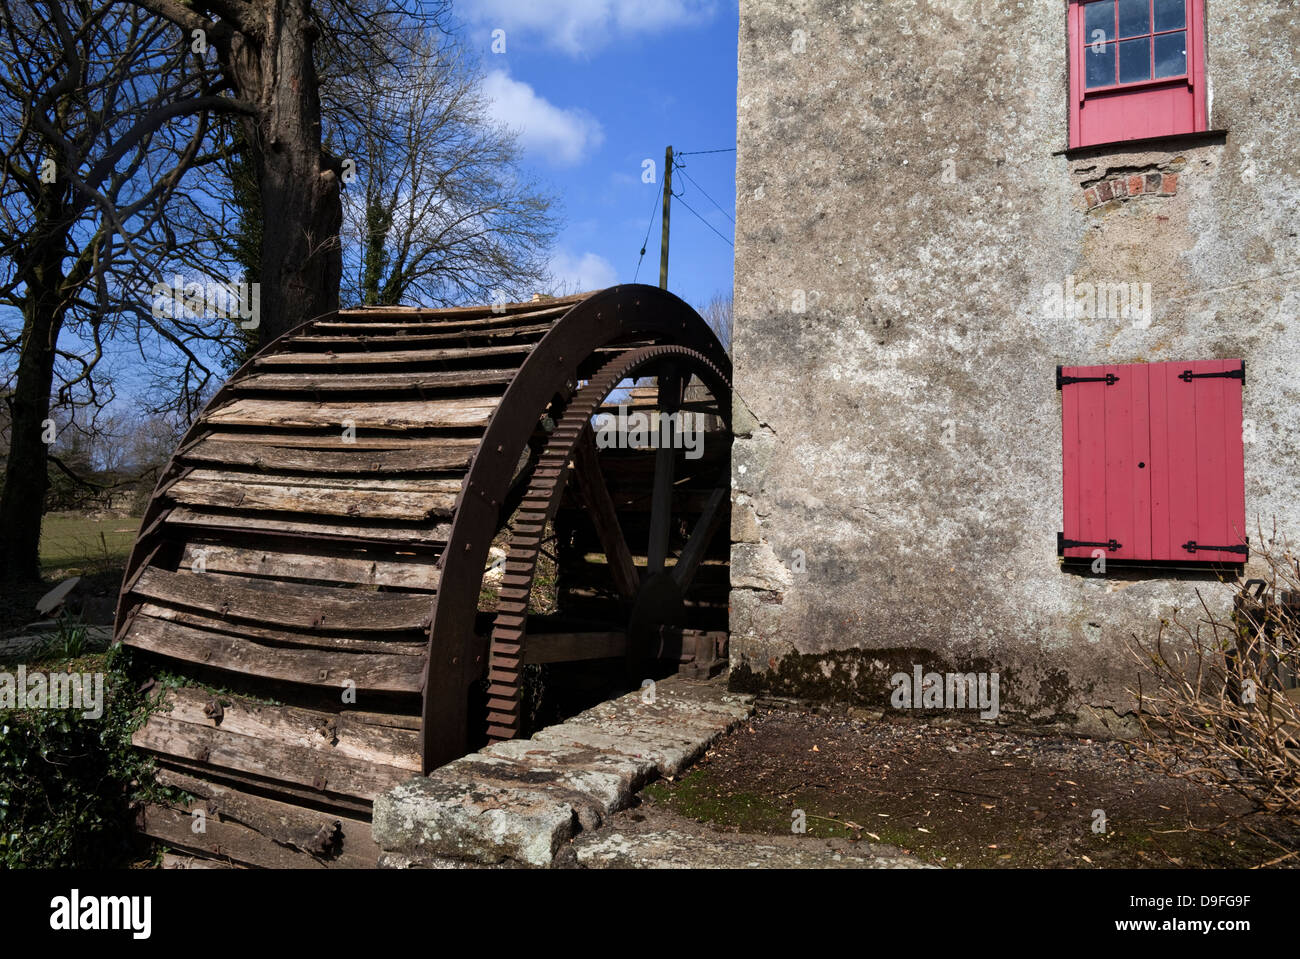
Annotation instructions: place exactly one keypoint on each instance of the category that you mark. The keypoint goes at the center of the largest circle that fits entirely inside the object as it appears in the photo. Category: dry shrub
(1216, 693)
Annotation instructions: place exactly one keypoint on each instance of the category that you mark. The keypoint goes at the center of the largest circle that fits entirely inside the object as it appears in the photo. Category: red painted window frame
(1153, 460)
(1132, 94)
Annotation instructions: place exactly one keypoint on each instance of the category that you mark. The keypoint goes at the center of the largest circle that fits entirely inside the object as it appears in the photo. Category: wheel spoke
(575, 647)
(661, 501)
(705, 529)
(595, 496)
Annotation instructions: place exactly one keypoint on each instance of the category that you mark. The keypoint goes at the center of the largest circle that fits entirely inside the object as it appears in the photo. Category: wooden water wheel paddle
(307, 576)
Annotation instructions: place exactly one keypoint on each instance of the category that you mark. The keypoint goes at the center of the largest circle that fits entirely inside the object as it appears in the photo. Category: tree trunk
(299, 183)
(26, 473)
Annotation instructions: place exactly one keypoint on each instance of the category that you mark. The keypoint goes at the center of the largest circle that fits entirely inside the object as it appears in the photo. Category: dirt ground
(92, 603)
(971, 796)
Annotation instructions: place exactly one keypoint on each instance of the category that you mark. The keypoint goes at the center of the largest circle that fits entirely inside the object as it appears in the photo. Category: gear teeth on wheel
(538, 507)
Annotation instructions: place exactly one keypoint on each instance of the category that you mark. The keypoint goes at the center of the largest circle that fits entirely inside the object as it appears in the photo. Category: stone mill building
(1011, 276)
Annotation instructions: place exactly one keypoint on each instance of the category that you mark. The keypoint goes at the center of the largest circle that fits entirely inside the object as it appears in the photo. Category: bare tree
(269, 52)
(102, 114)
(717, 314)
(443, 214)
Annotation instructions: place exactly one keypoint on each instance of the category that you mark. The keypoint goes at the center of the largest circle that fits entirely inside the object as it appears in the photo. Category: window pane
(1171, 54)
(1099, 17)
(1134, 19)
(1134, 60)
(1101, 65)
(1171, 15)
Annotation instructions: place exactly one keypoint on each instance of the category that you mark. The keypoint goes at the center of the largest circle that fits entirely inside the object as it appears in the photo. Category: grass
(71, 541)
(93, 546)
(70, 640)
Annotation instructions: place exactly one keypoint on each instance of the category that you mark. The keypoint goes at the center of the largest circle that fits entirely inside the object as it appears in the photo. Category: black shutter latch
(1062, 544)
(1192, 546)
(1238, 374)
(1110, 379)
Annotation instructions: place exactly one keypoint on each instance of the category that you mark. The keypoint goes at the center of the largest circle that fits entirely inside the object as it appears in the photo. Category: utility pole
(668, 196)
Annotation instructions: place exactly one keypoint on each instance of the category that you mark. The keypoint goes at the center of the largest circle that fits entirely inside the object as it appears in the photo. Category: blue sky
(596, 87)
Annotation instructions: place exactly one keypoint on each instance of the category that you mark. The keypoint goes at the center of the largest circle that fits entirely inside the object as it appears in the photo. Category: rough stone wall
(904, 202)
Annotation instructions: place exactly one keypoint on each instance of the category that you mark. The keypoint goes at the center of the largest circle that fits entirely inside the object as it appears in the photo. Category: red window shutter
(1153, 462)
(1150, 107)
(1198, 418)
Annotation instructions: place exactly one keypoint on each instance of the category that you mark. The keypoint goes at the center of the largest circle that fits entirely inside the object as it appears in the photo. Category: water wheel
(308, 577)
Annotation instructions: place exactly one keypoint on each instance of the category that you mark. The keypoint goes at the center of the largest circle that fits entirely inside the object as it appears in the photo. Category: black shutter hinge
(1062, 544)
(1110, 379)
(1240, 374)
(1192, 546)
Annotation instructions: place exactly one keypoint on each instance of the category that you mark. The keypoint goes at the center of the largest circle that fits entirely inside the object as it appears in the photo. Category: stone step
(519, 802)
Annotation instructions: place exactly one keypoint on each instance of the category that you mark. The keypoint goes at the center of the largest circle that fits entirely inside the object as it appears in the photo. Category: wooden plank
(338, 460)
(288, 792)
(461, 412)
(232, 841)
(366, 569)
(698, 408)
(1213, 525)
(1162, 475)
(327, 382)
(1235, 460)
(370, 672)
(1184, 512)
(346, 733)
(375, 484)
(395, 720)
(172, 860)
(687, 502)
(287, 604)
(1140, 432)
(310, 499)
(267, 757)
(329, 440)
(381, 357)
(572, 647)
(1127, 510)
(337, 840)
(358, 340)
(506, 312)
(432, 535)
(287, 637)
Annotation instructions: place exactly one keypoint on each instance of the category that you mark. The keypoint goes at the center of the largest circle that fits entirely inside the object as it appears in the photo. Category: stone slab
(428, 817)
(519, 802)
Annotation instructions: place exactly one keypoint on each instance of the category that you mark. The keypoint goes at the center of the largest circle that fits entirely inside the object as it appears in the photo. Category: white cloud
(560, 136)
(578, 274)
(581, 26)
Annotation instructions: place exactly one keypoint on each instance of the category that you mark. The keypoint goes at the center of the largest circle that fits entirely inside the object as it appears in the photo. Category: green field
(88, 543)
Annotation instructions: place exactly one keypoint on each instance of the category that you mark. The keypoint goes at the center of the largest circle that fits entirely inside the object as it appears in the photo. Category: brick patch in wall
(1130, 187)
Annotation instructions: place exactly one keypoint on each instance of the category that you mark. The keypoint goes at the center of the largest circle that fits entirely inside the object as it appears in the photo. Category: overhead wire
(678, 196)
(659, 194)
(648, 228)
(720, 207)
